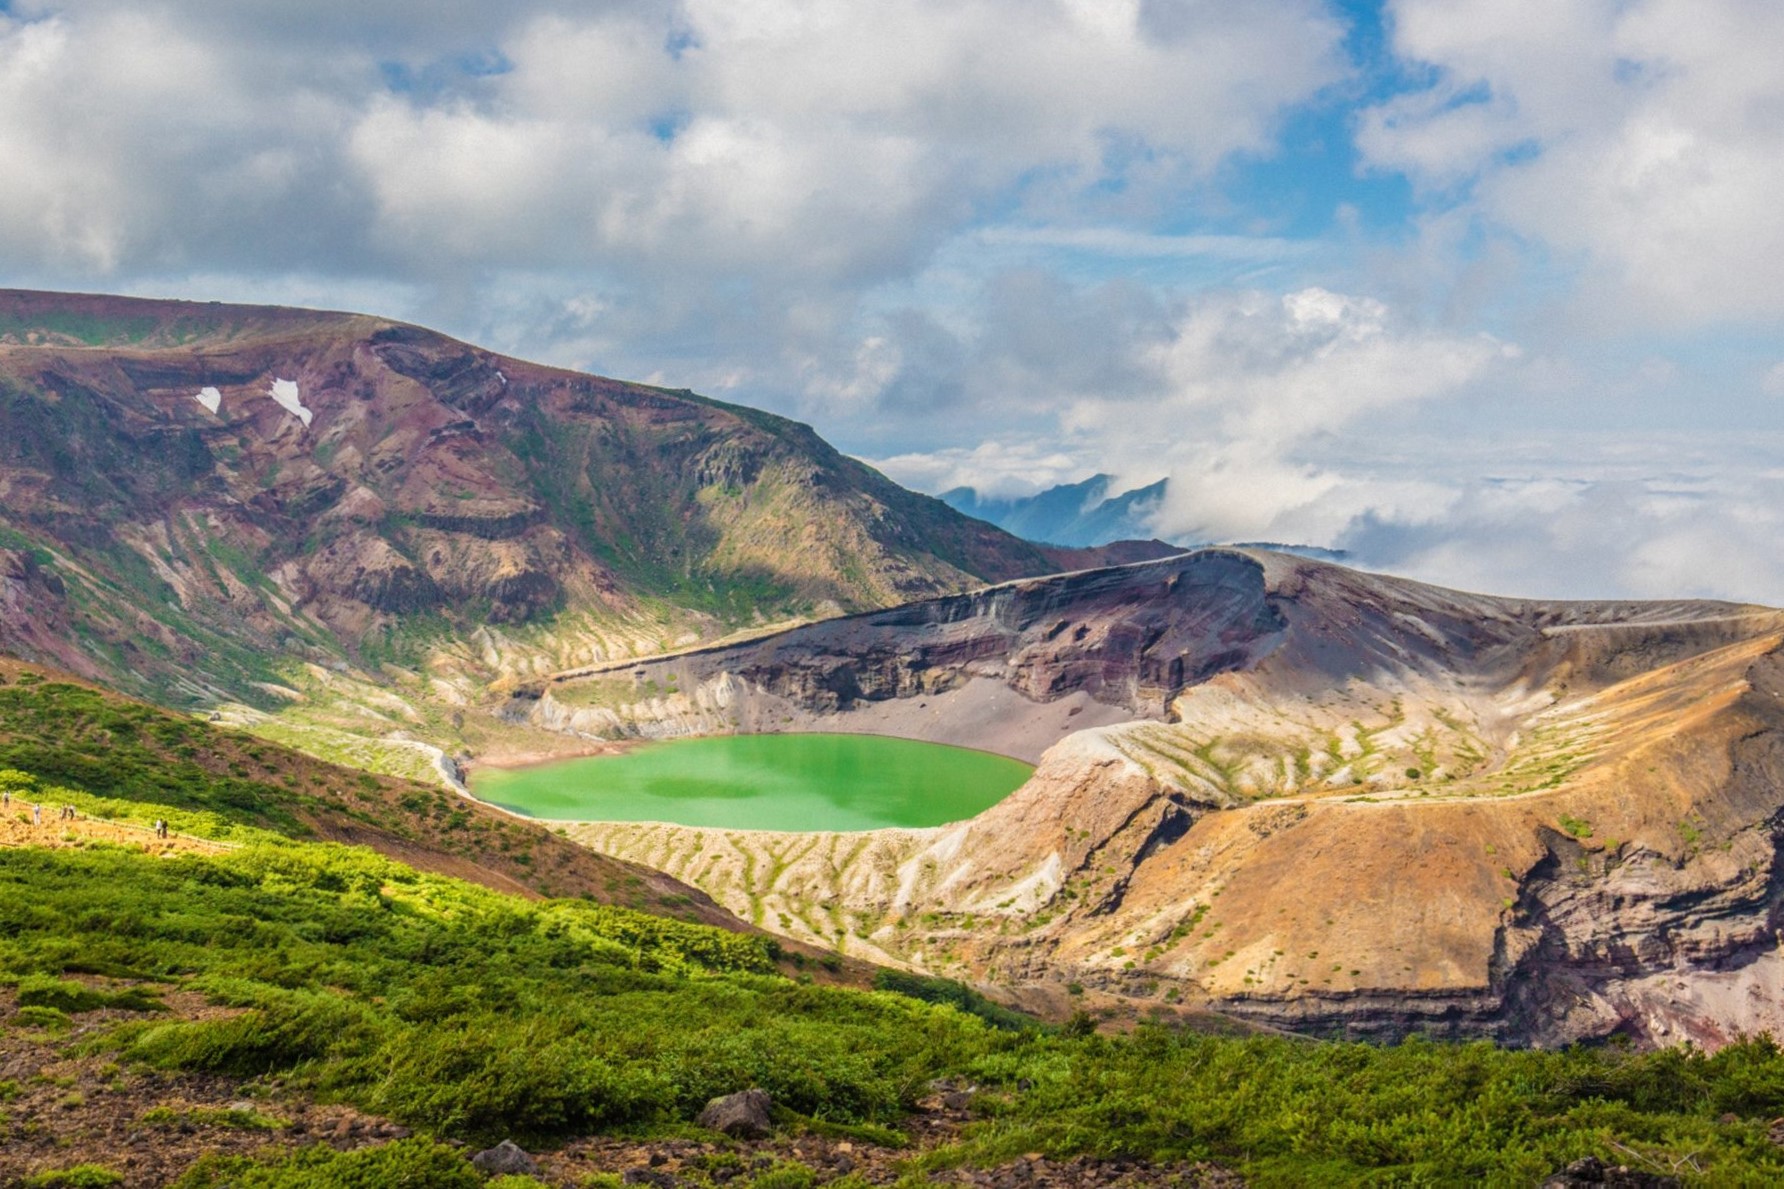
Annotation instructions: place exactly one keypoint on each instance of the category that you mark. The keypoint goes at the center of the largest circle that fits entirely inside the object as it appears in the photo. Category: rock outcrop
(743, 1115)
(506, 1159)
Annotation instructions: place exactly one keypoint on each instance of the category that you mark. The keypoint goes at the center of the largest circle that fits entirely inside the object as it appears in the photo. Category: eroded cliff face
(1117, 644)
(1369, 806)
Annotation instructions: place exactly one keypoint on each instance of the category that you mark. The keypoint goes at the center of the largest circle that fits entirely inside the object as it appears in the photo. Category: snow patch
(210, 398)
(285, 392)
(504, 379)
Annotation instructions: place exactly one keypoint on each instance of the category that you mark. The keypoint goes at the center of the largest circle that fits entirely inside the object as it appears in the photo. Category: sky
(1485, 292)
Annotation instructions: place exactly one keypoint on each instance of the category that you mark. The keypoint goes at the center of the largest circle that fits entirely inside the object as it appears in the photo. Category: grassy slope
(462, 1012)
(75, 735)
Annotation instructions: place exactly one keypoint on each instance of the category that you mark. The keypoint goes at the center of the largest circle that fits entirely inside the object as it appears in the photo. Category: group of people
(68, 814)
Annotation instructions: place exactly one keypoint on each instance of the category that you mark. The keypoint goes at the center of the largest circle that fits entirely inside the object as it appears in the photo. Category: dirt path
(18, 829)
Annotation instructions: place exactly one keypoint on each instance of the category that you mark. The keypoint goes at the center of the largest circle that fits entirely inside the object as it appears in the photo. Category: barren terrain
(1335, 801)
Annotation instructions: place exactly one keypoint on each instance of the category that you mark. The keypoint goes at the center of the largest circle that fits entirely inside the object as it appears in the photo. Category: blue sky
(1486, 291)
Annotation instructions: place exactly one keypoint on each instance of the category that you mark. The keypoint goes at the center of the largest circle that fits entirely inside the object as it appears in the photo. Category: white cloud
(1119, 243)
(817, 144)
(134, 141)
(784, 140)
(974, 238)
(1247, 383)
(996, 469)
(1642, 139)
(1568, 530)
(1772, 384)
(1233, 395)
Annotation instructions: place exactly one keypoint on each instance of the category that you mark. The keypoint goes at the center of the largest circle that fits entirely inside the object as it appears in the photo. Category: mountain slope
(197, 499)
(64, 733)
(1288, 790)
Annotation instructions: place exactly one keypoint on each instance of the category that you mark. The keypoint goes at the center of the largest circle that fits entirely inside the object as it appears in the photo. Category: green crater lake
(764, 782)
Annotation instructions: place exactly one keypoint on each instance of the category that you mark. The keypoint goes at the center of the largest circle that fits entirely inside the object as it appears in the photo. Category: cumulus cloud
(1772, 384)
(992, 242)
(1232, 394)
(1249, 384)
(998, 469)
(816, 144)
(809, 143)
(1643, 139)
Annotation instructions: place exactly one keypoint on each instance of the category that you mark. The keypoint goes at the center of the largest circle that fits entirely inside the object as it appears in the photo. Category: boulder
(506, 1158)
(743, 1115)
(1591, 1171)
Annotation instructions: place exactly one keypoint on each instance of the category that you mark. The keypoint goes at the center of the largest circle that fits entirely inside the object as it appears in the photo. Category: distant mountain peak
(1076, 515)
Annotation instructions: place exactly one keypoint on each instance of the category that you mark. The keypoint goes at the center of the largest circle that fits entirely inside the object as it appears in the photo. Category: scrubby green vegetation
(955, 994)
(405, 1164)
(70, 735)
(468, 1014)
(473, 1015)
(79, 1176)
(114, 758)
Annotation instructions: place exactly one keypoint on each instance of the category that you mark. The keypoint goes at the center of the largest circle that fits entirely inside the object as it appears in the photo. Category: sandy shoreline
(578, 749)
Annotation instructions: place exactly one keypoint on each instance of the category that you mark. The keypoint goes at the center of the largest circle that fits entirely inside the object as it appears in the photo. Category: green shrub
(79, 1176)
(403, 1164)
(785, 1176)
(236, 1119)
(466, 1013)
(956, 995)
(291, 1027)
(42, 1017)
(37, 990)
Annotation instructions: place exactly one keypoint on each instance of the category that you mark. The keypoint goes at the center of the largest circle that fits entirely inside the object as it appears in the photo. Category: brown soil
(532, 757)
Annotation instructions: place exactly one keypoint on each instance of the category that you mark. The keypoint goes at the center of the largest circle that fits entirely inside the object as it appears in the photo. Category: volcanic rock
(743, 1115)
(506, 1158)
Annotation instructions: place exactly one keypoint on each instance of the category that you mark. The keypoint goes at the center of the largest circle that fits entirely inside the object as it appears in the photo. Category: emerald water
(764, 782)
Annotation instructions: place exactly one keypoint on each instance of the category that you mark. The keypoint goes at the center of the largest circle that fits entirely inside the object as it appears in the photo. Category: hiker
(161, 827)
(37, 815)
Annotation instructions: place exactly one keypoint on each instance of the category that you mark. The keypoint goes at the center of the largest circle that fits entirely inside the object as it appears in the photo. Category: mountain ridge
(203, 502)
(1076, 515)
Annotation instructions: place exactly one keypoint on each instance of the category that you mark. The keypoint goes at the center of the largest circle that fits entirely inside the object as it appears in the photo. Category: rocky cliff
(1317, 798)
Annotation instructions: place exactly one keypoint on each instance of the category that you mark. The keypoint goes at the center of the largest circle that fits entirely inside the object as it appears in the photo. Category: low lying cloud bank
(1297, 417)
(1712, 533)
